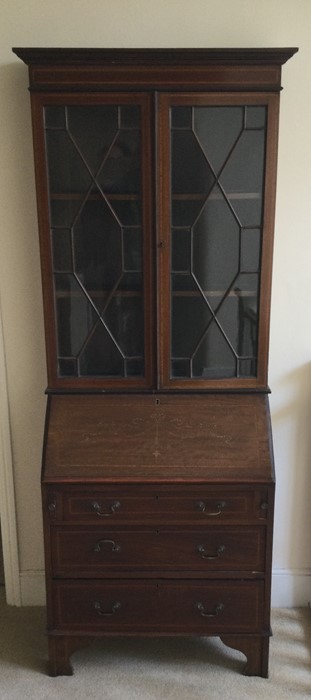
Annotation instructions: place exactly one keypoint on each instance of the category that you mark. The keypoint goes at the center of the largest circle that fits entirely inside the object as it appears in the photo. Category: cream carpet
(155, 669)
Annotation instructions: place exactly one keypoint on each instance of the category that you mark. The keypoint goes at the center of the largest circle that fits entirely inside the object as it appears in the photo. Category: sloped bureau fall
(156, 175)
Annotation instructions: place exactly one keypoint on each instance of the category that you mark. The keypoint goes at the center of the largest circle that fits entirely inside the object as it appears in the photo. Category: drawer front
(95, 552)
(132, 607)
(199, 505)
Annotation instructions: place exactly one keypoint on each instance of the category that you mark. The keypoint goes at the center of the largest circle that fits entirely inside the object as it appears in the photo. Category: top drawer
(120, 504)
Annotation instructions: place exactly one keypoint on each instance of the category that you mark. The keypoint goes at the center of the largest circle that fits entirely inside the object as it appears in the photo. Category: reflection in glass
(132, 250)
(250, 250)
(216, 244)
(134, 367)
(181, 118)
(122, 315)
(192, 313)
(94, 174)
(191, 172)
(217, 175)
(97, 246)
(101, 356)
(62, 251)
(181, 250)
(93, 129)
(218, 129)
(243, 173)
(68, 172)
(255, 117)
(75, 315)
(180, 368)
(121, 170)
(221, 360)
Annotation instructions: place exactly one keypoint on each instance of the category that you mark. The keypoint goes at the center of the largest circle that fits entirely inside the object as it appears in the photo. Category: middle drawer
(94, 552)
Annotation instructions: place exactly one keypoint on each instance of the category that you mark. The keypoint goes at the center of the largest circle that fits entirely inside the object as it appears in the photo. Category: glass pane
(255, 117)
(247, 368)
(100, 356)
(185, 210)
(68, 172)
(218, 129)
(181, 250)
(247, 208)
(181, 118)
(244, 169)
(130, 117)
(94, 171)
(121, 170)
(238, 319)
(92, 129)
(214, 358)
(216, 240)
(67, 367)
(75, 315)
(127, 210)
(62, 250)
(181, 368)
(97, 246)
(183, 284)
(217, 175)
(250, 250)
(64, 211)
(122, 314)
(134, 367)
(131, 281)
(55, 117)
(132, 249)
(192, 313)
(190, 170)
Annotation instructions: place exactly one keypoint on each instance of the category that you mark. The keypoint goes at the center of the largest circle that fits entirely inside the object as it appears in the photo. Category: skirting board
(290, 588)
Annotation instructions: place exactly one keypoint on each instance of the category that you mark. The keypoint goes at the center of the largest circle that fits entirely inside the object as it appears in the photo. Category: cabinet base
(255, 648)
(60, 651)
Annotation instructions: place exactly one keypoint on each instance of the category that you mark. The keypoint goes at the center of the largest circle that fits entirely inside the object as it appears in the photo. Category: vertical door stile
(148, 164)
(163, 238)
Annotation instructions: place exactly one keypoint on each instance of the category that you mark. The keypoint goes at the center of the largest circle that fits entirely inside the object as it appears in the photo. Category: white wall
(164, 23)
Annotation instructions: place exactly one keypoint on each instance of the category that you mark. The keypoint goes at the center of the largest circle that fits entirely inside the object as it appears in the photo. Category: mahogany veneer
(158, 522)
(156, 180)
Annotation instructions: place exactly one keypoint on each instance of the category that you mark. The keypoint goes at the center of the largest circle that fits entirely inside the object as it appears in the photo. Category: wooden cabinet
(156, 175)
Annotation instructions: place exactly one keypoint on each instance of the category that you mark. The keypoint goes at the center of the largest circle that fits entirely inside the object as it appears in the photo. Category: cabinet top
(60, 69)
(198, 56)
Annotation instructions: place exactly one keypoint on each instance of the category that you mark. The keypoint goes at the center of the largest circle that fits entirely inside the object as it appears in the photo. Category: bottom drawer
(157, 607)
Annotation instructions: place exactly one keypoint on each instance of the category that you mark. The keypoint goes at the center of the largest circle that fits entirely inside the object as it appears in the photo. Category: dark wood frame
(39, 102)
(167, 100)
(226, 76)
(158, 442)
(199, 69)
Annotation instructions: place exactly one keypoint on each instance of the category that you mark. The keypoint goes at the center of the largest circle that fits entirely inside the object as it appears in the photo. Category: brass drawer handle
(220, 551)
(98, 507)
(217, 610)
(114, 547)
(114, 608)
(220, 506)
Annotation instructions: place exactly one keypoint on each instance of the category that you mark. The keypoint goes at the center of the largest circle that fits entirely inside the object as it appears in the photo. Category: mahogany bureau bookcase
(156, 175)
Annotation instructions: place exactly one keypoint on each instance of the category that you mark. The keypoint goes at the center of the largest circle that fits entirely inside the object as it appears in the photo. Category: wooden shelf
(68, 196)
(215, 195)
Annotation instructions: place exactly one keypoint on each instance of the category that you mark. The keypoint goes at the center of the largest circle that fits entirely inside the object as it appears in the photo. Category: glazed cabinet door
(94, 165)
(216, 209)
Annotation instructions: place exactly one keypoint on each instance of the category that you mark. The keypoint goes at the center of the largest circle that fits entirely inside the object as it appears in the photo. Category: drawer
(197, 505)
(149, 607)
(94, 552)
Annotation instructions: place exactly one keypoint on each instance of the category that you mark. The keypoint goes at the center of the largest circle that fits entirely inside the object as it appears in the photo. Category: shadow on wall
(292, 433)
(1, 561)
